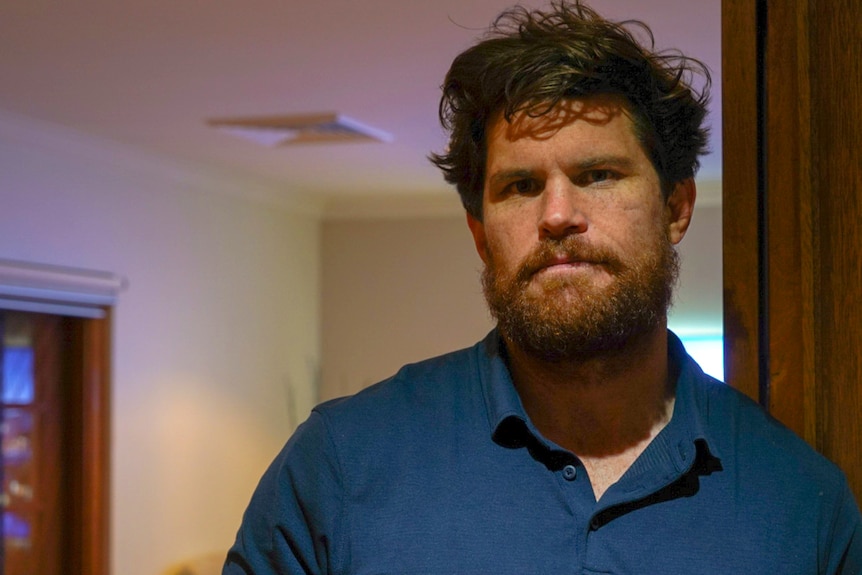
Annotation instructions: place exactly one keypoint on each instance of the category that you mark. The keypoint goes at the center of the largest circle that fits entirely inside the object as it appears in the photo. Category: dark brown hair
(530, 60)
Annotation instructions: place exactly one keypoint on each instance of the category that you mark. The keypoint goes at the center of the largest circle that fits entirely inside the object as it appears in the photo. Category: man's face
(576, 236)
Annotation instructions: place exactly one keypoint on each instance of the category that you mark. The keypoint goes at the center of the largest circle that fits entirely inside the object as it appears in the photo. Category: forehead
(597, 125)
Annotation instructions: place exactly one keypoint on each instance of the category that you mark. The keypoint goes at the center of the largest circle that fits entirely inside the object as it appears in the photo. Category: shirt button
(570, 472)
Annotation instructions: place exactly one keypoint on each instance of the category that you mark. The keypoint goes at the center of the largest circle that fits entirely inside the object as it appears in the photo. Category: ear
(680, 206)
(477, 228)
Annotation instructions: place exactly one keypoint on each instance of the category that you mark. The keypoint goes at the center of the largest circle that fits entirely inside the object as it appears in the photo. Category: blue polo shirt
(438, 470)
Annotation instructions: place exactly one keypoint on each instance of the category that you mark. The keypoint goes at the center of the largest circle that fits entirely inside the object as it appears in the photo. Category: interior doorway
(53, 421)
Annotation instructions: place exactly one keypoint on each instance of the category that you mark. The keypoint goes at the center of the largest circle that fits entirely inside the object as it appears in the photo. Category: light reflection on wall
(707, 350)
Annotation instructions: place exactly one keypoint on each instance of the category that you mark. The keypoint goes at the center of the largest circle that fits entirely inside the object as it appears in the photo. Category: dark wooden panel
(791, 279)
(740, 194)
(807, 300)
(96, 420)
(836, 82)
(89, 448)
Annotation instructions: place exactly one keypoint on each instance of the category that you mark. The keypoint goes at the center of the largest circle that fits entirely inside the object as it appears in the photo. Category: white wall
(398, 290)
(216, 339)
(697, 307)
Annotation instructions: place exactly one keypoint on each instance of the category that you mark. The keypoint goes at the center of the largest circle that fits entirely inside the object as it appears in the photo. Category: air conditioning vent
(300, 129)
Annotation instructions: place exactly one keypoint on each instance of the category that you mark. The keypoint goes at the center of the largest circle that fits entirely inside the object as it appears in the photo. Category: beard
(572, 319)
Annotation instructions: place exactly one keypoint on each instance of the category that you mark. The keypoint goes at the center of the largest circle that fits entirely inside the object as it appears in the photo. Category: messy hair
(530, 60)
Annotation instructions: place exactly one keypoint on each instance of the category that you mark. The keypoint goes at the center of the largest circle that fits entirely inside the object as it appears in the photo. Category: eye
(526, 186)
(593, 177)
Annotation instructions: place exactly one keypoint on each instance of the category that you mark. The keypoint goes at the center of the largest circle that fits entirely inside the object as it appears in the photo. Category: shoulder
(424, 403)
(778, 476)
(417, 390)
(339, 431)
(758, 443)
(361, 446)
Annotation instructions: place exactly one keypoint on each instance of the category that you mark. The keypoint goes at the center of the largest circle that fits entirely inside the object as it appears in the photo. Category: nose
(562, 213)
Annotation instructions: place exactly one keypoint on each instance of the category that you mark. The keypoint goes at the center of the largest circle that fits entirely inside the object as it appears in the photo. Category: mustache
(571, 248)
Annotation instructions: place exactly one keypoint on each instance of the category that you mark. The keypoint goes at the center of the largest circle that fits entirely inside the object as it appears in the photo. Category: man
(578, 437)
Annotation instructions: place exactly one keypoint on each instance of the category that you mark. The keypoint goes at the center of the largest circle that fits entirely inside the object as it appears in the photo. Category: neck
(602, 407)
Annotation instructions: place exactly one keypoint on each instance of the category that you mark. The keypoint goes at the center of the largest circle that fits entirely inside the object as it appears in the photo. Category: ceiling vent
(300, 129)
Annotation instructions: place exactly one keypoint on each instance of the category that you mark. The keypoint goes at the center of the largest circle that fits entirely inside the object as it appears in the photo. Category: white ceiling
(148, 73)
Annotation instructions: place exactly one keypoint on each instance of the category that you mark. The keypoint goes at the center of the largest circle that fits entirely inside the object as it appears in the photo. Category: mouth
(568, 259)
(565, 265)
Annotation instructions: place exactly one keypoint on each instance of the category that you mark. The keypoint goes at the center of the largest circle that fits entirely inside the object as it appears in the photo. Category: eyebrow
(510, 175)
(622, 162)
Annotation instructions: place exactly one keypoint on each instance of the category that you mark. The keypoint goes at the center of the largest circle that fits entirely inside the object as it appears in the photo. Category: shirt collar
(501, 398)
(510, 426)
(684, 444)
(676, 447)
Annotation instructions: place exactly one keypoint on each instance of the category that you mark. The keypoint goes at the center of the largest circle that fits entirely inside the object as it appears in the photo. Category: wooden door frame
(95, 411)
(770, 328)
(792, 202)
(87, 297)
(741, 196)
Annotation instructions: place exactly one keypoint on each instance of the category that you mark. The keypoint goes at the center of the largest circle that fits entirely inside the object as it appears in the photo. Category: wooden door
(53, 424)
(792, 203)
